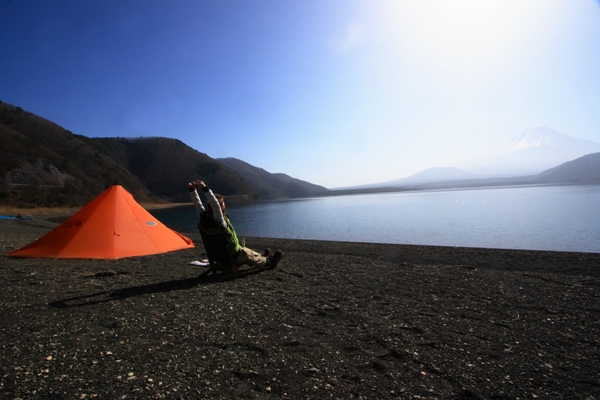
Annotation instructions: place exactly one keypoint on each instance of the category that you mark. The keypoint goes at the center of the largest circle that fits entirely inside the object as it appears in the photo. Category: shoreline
(518, 259)
(53, 216)
(334, 319)
(335, 192)
(45, 212)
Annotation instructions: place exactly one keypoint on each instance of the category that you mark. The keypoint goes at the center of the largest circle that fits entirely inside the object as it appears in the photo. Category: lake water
(560, 218)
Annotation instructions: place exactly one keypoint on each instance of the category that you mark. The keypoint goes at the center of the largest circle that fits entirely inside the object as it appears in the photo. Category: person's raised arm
(195, 197)
(212, 201)
(215, 206)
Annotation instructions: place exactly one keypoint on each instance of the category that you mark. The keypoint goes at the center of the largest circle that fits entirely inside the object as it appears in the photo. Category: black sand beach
(333, 320)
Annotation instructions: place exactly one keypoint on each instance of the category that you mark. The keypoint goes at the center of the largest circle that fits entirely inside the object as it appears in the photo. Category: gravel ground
(333, 320)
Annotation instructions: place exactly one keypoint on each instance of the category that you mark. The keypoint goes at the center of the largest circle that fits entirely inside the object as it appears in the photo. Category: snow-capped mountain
(530, 152)
(542, 137)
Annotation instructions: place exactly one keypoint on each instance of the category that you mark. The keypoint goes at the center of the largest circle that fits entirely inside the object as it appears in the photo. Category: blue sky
(335, 92)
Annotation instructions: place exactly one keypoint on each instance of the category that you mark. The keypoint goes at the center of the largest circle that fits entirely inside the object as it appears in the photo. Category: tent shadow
(160, 287)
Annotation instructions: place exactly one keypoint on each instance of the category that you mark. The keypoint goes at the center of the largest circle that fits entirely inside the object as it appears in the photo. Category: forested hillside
(43, 164)
(165, 166)
(273, 185)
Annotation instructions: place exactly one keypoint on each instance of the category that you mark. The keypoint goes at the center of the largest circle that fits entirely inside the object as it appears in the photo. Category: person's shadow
(122, 294)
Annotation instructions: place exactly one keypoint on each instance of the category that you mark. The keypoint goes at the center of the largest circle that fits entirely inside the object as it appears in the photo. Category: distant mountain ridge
(43, 164)
(527, 154)
(273, 185)
(583, 170)
(434, 174)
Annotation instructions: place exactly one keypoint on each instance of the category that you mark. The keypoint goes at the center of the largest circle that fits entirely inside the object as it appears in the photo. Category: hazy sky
(337, 93)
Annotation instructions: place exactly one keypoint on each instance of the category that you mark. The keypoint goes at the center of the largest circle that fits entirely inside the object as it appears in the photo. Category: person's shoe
(275, 259)
(267, 253)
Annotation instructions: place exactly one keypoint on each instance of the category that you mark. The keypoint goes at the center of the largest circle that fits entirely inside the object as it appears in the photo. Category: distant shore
(38, 212)
(334, 319)
(50, 214)
(45, 212)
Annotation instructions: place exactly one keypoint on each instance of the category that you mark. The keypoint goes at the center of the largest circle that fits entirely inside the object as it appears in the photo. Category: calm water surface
(562, 218)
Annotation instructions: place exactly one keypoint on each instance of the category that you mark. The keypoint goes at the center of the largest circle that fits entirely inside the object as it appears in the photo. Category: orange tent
(111, 226)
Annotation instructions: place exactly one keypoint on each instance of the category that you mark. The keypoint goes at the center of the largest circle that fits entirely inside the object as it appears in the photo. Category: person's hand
(196, 184)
